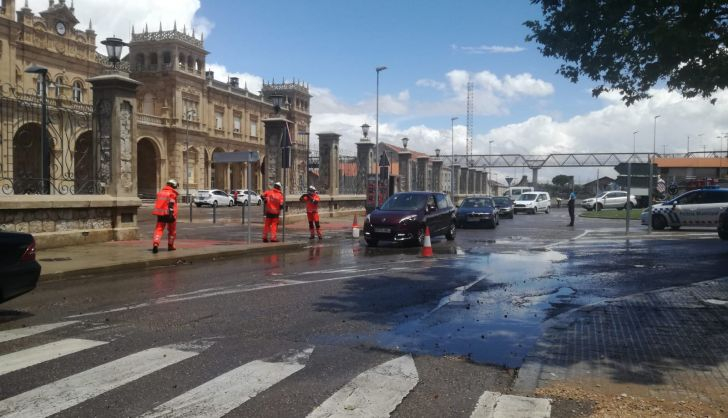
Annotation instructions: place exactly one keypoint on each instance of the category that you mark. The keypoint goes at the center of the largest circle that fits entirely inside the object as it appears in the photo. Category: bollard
(214, 213)
(242, 218)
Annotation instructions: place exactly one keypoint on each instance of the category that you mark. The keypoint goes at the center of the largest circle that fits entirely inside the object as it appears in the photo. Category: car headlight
(368, 219)
(410, 218)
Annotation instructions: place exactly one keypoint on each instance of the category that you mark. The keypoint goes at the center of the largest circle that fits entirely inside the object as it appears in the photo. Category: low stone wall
(330, 205)
(57, 221)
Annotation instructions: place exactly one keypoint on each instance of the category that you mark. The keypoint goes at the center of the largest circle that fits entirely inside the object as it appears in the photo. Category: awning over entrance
(235, 157)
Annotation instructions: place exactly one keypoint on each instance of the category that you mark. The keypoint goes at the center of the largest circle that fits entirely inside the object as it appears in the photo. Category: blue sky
(431, 49)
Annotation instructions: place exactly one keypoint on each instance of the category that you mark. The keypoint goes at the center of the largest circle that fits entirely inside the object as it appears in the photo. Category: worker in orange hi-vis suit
(274, 200)
(312, 200)
(165, 207)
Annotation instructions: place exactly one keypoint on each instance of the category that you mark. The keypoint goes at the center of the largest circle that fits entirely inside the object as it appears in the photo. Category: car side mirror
(674, 204)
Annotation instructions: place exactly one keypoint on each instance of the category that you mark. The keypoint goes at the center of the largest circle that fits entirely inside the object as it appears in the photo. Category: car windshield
(479, 202)
(528, 196)
(601, 194)
(502, 201)
(405, 202)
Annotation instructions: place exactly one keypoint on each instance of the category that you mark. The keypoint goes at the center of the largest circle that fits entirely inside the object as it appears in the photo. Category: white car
(213, 198)
(532, 202)
(609, 200)
(699, 207)
(244, 195)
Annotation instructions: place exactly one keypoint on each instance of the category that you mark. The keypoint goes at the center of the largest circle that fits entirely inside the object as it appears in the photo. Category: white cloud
(488, 49)
(132, 13)
(425, 82)
(252, 81)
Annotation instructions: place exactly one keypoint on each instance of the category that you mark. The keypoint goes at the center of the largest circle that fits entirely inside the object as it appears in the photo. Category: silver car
(609, 200)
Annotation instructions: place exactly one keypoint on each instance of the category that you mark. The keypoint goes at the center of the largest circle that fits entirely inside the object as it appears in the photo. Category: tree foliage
(561, 180)
(631, 45)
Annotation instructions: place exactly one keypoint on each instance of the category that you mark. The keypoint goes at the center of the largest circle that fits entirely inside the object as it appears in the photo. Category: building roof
(713, 162)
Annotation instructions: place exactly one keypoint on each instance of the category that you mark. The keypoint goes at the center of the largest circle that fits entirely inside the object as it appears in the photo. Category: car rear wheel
(548, 208)
(371, 242)
(198, 204)
(230, 203)
(723, 234)
(658, 222)
(450, 235)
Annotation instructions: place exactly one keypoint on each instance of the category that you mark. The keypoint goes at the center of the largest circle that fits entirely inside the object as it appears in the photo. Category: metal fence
(65, 163)
(349, 182)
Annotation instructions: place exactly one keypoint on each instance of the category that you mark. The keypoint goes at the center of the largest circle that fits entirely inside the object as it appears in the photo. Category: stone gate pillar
(114, 104)
(455, 180)
(364, 163)
(437, 185)
(422, 178)
(464, 171)
(329, 162)
(275, 129)
(405, 182)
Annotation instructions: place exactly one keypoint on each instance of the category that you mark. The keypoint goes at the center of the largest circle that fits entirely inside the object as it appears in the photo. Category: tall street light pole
(652, 163)
(634, 141)
(452, 156)
(490, 163)
(188, 115)
(376, 140)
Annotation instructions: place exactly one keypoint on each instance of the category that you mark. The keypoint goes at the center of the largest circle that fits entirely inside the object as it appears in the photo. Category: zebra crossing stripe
(496, 405)
(32, 356)
(14, 334)
(374, 393)
(230, 390)
(62, 394)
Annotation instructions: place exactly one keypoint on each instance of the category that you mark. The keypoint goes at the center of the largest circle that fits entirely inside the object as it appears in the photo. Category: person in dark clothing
(571, 204)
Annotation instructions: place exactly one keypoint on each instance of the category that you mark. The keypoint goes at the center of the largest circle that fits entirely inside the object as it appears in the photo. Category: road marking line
(36, 355)
(374, 393)
(232, 389)
(65, 393)
(14, 334)
(229, 291)
(497, 405)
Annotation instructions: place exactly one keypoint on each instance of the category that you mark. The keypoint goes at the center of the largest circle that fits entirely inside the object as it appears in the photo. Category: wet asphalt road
(469, 315)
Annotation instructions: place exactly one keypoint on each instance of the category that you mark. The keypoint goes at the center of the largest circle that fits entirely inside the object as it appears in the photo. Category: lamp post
(113, 50)
(652, 163)
(376, 145)
(490, 153)
(405, 140)
(452, 155)
(634, 141)
(187, 116)
(306, 134)
(45, 148)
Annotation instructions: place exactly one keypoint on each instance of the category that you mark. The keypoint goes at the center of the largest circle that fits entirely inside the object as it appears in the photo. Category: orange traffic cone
(355, 228)
(427, 245)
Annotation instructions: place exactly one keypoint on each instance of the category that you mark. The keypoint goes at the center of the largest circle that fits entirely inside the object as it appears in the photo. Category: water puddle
(496, 318)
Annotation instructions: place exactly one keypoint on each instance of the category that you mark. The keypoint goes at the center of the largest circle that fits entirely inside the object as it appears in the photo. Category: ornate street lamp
(376, 146)
(405, 140)
(113, 50)
(365, 132)
(437, 152)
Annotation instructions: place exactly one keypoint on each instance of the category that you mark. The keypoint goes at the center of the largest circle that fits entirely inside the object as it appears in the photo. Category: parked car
(723, 224)
(404, 216)
(532, 202)
(19, 271)
(244, 195)
(477, 211)
(505, 207)
(699, 207)
(213, 198)
(609, 200)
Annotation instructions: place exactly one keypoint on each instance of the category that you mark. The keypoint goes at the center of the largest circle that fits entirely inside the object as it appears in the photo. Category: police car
(699, 207)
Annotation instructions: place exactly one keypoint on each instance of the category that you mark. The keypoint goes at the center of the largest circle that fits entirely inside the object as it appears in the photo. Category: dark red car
(403, 217)
(19, 271)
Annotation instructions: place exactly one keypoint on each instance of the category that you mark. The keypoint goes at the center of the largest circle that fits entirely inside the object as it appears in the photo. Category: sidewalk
(654, 354)
(195, 242)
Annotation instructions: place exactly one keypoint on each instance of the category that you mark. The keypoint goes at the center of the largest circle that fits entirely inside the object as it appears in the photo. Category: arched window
(77, 91)
(140, 61)
(166, 57)
(153, 58)
(59, 86)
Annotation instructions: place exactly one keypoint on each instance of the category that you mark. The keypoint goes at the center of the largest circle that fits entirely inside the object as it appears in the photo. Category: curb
(169, 261)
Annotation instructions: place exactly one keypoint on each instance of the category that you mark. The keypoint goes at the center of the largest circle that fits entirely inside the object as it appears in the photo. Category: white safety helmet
(173, 183)
(311, 189)
(277, 185)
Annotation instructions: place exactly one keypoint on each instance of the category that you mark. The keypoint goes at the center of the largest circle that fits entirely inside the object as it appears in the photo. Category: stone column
(455, 182)
(422, 179)
(329, 162)
(464, 171)
(478, 181)
(405, 182)
(534, 184)
(114, 104)
(485, 184)
(365, 162)
(437, 185)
